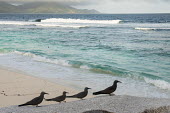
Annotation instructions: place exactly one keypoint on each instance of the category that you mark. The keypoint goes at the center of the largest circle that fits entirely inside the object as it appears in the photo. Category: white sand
(14, 83)
(115, 104)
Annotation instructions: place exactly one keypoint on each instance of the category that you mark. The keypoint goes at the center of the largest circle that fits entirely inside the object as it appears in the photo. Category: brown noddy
(80, 95)
(35, 101)
(108, 90)
(59, 98)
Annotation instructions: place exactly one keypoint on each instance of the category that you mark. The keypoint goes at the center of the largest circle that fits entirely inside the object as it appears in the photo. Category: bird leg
(38, 106)
(111, 94)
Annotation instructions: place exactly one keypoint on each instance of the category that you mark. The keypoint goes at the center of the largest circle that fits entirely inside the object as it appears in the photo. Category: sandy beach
(111, 104)
(17, 88)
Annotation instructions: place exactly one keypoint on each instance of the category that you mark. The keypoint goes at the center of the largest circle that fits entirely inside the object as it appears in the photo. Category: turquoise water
(91, 50)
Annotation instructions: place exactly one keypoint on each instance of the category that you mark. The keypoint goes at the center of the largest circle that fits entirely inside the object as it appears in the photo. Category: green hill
(43, 7)
(7, 8)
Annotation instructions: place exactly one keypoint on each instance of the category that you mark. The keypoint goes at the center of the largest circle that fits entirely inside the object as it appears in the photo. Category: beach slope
(115, 104)
(17, 88)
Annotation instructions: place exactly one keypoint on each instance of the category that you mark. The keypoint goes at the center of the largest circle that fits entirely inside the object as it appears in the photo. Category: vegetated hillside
(43, 7)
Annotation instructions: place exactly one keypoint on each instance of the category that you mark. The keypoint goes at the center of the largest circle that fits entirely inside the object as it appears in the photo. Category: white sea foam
(142, 28)
(84, 67)
(15, 23)
(158, 83)
(57, 25)
(44, 59)
(61, 20)
(21, 23)
(52, 61)
(25, 53)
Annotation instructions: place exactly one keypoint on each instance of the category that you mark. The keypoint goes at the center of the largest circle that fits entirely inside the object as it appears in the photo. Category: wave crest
(15, 23)
(158, 83)
(147, 29)
(25, 53)
(20, 23)
(62, 20)
(43, 59)
(65, 26)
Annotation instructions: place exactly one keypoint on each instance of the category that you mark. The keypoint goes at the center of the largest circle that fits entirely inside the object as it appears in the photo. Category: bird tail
(97, 93)
(48, 99)
(70, 96)
(22, 105)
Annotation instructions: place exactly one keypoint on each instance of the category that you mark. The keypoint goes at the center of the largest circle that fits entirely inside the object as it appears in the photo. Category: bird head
(64, 92)
(86, 88)
(43, 93)
(116, 81)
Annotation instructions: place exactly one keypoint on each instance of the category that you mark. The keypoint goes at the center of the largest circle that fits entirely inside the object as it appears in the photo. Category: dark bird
(35, 101)
(59, 98)
(80, 95)
(108, 90)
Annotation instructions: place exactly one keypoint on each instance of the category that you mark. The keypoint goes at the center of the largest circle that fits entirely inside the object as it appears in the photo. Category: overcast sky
(115, 6)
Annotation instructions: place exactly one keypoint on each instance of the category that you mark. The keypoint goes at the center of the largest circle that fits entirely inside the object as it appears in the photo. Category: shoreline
(18, 90)
(17, 87)
(77, 78)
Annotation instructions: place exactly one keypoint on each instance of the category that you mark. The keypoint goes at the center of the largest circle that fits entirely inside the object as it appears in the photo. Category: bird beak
(89, 88)
(47, 93)
(120, 82)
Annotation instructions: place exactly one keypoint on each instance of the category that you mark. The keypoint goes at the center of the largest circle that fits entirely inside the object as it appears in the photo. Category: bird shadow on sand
(105, 95)
(97, 111)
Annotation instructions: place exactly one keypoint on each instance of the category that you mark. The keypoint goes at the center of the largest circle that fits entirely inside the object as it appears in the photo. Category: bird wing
(59, 98)
(80, 95)
(107, 90)
(34, 101)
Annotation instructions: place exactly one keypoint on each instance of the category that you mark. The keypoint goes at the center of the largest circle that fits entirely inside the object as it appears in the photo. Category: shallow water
(91, 50)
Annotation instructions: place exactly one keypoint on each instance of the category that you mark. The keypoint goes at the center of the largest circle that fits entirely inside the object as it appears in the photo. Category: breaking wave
(61, 20)
(158, 83)
(44, 59)
(25, 53)
(21, 23)
(147, 29)
(97, 69)
(66, 26)
(15, 23)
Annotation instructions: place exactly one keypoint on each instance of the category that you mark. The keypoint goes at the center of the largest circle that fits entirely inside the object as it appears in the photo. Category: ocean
(91, 50)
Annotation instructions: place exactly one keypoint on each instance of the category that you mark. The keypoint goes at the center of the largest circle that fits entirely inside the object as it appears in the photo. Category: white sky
(116, 6)
(131, 6)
